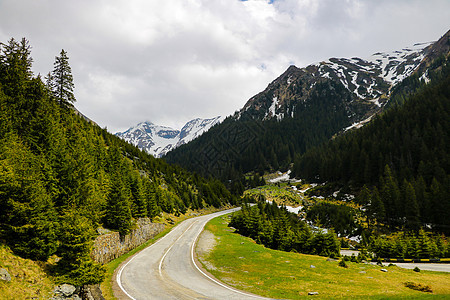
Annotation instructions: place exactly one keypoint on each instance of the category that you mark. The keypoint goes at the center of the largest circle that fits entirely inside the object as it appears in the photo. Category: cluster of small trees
(276, 228)
(404, 245)
(337, 216)
(61, 176)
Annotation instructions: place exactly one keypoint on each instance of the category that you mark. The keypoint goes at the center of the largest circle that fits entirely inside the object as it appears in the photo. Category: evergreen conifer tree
(76, 238)
(61, 80)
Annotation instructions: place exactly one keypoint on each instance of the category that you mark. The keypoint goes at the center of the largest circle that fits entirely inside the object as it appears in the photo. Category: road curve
(424, 266)
(167, 270)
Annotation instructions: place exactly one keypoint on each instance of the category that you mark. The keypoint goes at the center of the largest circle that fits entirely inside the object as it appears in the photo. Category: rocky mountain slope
(158, 140)
(305, 107)
(368, 80)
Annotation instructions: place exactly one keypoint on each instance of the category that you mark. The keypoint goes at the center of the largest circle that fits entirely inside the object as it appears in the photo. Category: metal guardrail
(415, 260)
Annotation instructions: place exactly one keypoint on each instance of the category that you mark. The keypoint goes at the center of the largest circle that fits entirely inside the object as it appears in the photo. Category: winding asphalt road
(167, 269)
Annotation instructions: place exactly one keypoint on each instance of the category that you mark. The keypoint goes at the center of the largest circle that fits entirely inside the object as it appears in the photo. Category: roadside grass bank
(28, 279)
(243, 264)
(170, 221)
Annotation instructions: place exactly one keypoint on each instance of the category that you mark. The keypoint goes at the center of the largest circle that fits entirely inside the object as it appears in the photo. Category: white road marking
(119, 274)
(170, 248)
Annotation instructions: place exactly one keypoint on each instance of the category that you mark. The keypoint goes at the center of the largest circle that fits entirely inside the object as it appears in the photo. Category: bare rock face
(4, 275)
(92, 292)
(65, 291)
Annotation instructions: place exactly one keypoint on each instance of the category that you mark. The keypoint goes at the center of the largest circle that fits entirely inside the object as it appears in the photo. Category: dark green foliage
(339, 217)
(279, 229)
(418, 287)
(410, 245)
(76, 238)
(61, 176)
(404, 153)
(374, 207)
(60, 81)
(27, 215)
(118, 214)
(342, 264)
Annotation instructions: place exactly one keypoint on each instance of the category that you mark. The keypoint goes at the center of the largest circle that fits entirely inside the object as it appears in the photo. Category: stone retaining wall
(109, 246)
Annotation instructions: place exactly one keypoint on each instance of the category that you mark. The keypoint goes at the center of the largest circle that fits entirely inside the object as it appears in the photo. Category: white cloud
(173, 60)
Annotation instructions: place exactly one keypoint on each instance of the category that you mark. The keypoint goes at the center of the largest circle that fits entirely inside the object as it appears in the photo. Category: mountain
(158, 140)
(368, 80)
(403, 153)
(305, 107)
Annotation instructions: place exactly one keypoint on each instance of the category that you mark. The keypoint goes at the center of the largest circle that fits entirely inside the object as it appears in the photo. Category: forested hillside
(239, 146)
(61, 176)
(402, 158)
(305, 107)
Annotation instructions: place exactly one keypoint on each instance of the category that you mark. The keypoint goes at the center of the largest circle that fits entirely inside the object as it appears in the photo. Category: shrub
(418, 287)
(342, 263)
(344, 243)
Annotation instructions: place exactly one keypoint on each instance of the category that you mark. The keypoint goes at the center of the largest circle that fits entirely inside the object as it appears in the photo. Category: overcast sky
(171, 61)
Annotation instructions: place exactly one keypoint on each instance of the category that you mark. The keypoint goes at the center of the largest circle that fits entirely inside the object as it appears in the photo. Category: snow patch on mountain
(272, 112)
(359, 75)
(359, 124)
(159, 140)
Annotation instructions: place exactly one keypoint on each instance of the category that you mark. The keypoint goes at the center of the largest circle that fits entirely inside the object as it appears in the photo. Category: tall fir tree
(76, 237)
(61, 80)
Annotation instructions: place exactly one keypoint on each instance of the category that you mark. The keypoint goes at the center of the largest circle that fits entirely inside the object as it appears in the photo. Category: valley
(347, 153)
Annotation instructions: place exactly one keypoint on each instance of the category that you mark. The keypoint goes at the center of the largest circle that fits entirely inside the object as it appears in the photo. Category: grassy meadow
(28, 278)
(241, 263)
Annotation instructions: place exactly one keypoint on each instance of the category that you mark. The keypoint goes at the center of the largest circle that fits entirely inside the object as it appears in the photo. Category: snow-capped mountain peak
(157, 140)
(368, 80)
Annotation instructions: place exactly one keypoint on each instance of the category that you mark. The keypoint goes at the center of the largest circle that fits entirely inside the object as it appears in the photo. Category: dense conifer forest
(276, 228)
(400, 162)
(61, 176)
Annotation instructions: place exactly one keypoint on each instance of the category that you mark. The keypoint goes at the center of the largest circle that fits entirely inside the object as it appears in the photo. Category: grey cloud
(171, 61)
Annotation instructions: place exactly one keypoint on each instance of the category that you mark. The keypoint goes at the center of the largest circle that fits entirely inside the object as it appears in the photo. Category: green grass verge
(240, 262)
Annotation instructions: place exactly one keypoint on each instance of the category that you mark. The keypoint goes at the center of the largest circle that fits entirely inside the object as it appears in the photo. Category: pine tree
(118, 211)
(62, 80)
(377, 207)
(15, 66)
(27, 217)
(411, 208)
(390, 195)
(76, 238)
